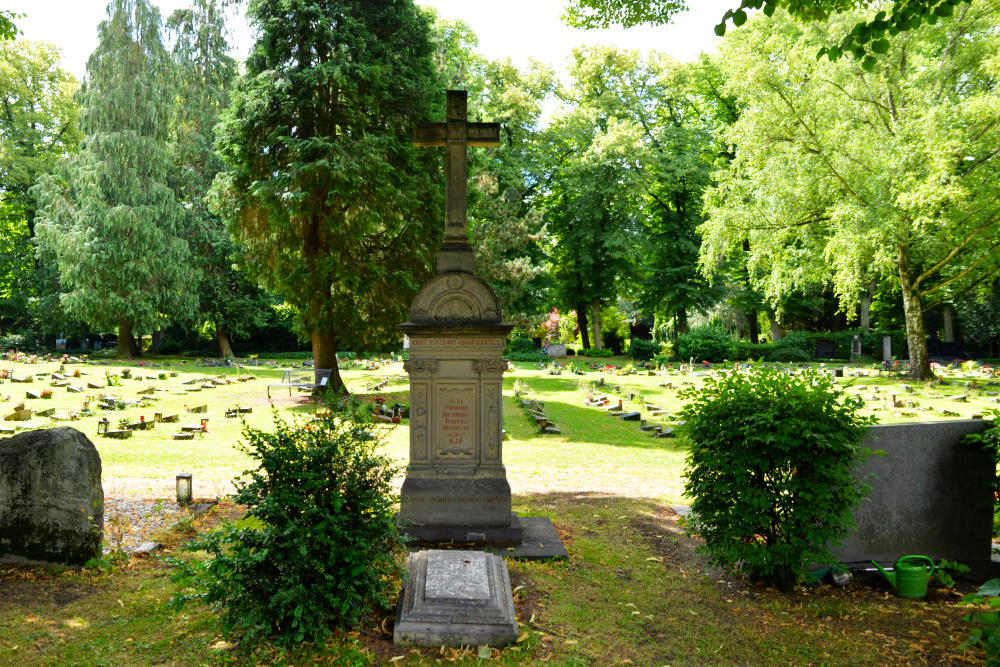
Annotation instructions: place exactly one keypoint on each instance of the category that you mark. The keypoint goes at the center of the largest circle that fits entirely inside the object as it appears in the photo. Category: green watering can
(910, 576)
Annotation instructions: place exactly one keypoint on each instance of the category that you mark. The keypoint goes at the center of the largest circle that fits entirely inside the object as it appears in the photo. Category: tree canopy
(338, 210)
(843, 176)
(107, 215)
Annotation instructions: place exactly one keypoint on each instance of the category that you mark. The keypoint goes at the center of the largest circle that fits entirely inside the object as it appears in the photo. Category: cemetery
(701, 366)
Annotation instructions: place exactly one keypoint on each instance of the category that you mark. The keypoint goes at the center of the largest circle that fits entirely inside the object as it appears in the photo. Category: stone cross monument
(456, 484)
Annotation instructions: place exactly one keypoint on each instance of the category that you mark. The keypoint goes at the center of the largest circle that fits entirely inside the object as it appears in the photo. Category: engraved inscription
(451, 342)
(455, 407)
(489, 366)
(486, 504)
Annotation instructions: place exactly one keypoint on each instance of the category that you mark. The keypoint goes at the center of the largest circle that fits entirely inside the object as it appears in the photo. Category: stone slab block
(930, 495)
(455, 598)
(472, 533)
(541, 541)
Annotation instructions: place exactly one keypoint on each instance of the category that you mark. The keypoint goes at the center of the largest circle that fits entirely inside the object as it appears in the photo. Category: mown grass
(633, 592)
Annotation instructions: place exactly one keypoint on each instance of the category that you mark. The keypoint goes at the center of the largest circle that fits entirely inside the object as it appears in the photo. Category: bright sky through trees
(520, 29)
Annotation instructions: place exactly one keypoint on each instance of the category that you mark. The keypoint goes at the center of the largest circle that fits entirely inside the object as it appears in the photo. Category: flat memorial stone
(455, 598)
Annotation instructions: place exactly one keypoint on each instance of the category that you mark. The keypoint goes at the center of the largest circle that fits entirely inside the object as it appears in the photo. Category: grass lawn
(633, 592)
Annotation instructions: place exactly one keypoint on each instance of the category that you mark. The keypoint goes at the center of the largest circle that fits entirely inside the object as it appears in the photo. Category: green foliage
(107, 217)
(643, 350)
(534, 355)
(320, 548)
(520, 344)
(867, 37)
(769, 469)
(946, 571)
(705, 343)
(8, 29)
(594, 352)
(985, 620)
(337, 209)
(825, 192)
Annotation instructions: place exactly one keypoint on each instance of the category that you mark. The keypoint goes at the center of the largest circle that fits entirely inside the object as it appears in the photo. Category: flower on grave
(46, 393)
(379, 399)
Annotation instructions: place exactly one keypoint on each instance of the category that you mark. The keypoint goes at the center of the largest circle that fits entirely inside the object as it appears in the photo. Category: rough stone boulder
(51, 500)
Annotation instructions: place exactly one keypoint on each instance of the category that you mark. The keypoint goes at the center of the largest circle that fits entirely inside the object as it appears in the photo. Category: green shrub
(520, 345)
(533, 355)
(614, 341)
(320, 548)
(705, 343)
(643, 350)
(661, 360)
(769, 470)
(592, 352)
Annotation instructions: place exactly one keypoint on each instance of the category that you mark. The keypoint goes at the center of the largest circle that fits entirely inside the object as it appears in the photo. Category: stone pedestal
(455, 598)
(456, 484)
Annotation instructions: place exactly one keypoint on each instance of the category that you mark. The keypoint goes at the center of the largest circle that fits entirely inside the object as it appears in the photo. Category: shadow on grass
(585, 424)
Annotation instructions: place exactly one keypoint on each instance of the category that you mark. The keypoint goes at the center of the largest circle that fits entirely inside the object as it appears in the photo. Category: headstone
(930, 494)
(556, 350)
(856, 347)
(886, 348)
(456, 485)
(60, 343)
(455, 598)
(824, 349)
(51, 500)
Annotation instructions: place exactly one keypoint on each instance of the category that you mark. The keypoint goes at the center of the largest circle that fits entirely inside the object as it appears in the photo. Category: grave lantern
(102, 425)
(184, 488)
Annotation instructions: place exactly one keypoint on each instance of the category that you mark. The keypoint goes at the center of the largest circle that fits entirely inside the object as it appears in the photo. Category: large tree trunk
(136, 348)
(581, 323)
(596, 324)
(681, 322)
(754, 326)
(775, 326)
(913, 315)
(864, 310)
(949, 323)
(155, 340)
(223, 343)
(325, 357)
(125, 340)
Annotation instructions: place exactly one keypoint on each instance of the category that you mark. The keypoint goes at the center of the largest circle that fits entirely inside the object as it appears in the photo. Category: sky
(519, 29)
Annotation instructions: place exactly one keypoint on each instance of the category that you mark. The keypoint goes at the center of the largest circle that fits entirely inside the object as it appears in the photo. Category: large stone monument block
(456, 476)
(51, 500)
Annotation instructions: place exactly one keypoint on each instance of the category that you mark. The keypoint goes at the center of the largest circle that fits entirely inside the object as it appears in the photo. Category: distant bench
(311, 381)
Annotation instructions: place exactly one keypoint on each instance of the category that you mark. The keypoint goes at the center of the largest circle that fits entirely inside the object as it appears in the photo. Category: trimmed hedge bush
(769, 470)
(643, 350)
(705, 343)
(591, 352)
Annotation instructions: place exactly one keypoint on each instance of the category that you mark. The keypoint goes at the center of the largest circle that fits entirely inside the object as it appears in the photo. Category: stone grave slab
(455, 598)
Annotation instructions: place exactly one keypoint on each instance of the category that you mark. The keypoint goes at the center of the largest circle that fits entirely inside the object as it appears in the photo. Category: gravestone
(824, 349)
(556, 350)
(456, 485)
(856, 348)
(51, 500)
(930, 494)
(886, 348)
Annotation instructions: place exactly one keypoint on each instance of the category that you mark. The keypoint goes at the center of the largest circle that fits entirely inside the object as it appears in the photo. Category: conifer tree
(107, 214)
(205, 76)
(337, 208)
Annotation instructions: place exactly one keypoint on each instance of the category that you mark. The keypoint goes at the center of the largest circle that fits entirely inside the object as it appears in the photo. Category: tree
(842, 174)
(339, 212)
(205, 74)
(505, 223)
(107, 214)
(38, 123)
(8, 29)
(593, 205)
(865, 40)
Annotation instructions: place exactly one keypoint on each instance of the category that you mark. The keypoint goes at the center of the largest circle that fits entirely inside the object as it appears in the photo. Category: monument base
(455, 598)
(511, 534)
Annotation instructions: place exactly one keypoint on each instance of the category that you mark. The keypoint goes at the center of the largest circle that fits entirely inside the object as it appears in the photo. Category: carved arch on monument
(451, 298)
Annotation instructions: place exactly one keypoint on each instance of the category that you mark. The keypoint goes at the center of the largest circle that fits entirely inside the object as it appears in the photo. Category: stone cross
(456, 134)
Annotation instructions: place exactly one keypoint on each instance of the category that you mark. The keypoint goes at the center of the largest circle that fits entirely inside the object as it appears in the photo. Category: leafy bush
(643, 350)
(705, 343)
(520, 345)
(661, 360)
(986, 621)
(612, 340)
(534, 355)
(769, 470)
(321, 548)
(592, 352)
